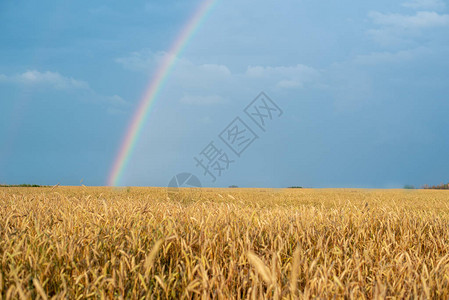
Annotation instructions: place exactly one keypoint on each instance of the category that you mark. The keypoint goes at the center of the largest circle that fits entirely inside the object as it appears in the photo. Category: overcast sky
(363, 86)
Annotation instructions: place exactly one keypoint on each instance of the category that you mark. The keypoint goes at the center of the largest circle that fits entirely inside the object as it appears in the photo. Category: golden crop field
(82, 242)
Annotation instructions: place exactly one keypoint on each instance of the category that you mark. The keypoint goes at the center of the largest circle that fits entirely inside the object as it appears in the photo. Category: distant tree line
(441, 186)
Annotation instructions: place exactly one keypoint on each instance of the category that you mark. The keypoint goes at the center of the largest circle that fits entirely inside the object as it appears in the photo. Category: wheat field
(88, 242)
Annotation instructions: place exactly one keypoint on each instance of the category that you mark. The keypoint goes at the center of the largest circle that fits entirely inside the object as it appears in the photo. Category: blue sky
(363, 88)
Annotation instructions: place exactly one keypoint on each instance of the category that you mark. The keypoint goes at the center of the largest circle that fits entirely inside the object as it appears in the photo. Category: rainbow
(154, 87)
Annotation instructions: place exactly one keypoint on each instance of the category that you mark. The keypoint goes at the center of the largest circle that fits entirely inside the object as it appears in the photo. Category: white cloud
(202, 100)
(425, 4)
(298, 70)
(402, 29)
(422, 19)
(206, 84)
(53, 80)
(190, 74)
(390, 57)
(185, 73)
(288, 84)
(144, 60)
(285, 76)
(115, 111)
(387, 37)
(217, 69)
(117, 100)
(148, 61)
